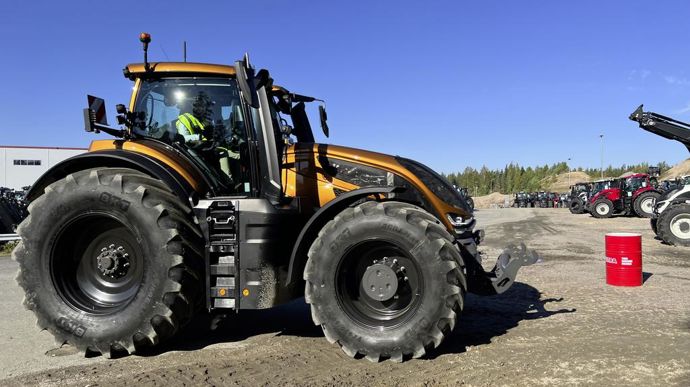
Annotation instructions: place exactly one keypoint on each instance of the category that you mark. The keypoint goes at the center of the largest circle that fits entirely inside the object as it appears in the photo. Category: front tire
(109, 261)
(602, 208)
(673, 225)
(644, 204)
(384, 280)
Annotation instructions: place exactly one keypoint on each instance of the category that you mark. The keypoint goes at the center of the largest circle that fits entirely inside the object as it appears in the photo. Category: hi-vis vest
(189, 127)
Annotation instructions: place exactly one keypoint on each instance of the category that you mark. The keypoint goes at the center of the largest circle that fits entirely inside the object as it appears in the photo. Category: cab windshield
(204, 116)
(600, 185)
(634, 183)
(212, 105)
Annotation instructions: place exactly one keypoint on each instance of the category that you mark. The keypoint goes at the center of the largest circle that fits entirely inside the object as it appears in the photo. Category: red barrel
(624, 259)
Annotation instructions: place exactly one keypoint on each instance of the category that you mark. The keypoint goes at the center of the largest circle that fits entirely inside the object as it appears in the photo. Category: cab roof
(137, 70)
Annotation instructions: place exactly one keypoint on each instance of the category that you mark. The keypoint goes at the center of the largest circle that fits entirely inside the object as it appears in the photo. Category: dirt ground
(560, 324)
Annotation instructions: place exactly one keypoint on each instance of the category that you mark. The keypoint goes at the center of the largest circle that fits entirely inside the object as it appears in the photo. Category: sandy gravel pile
(680, 169)
(492, 200)
(561, 182)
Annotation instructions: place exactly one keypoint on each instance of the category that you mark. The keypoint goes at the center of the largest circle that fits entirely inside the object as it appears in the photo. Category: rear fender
(114, 159)
(643, 190)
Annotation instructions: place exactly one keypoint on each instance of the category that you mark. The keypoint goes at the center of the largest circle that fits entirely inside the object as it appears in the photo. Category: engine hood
(436, 192)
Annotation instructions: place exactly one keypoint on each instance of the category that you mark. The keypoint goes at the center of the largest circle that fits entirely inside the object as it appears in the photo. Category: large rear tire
(109, 261)
(384, 280)
(673, 225)
(644, 204)
(576, 206)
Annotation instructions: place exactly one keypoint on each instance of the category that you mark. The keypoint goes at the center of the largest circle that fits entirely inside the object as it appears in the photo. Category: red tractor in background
(634, 195)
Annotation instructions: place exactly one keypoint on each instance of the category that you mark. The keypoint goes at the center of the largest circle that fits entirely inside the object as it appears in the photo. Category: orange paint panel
(201, 69)
(133, 146)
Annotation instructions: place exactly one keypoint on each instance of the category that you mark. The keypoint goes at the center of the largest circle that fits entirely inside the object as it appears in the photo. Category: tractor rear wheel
(385, 281)
(576, 206)
(602, 208)
(109, 261)
(673, 225)
(644, 204)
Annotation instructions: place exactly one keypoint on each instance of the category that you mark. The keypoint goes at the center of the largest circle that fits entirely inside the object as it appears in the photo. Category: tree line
(514, 178)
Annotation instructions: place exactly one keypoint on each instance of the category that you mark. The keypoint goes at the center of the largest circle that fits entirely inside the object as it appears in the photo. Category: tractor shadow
(292, 319)
(485, 318)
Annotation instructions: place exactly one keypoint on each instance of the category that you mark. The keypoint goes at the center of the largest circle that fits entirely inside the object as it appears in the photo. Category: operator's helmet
(201, 107)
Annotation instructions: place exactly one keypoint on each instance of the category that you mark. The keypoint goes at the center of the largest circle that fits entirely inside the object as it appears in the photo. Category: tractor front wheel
(602, 208)
(644, 204)
(673, 225)
(385, 281)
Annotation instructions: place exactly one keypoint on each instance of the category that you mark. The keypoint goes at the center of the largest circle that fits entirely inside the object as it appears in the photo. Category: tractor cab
(637, 183)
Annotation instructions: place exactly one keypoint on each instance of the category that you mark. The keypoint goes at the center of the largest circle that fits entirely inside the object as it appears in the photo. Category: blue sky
(451, 84)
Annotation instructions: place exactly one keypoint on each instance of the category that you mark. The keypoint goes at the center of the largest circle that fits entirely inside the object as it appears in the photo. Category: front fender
(310, 231)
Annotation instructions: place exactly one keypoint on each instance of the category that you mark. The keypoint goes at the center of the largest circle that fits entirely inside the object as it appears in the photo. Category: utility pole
(601, 136)
(569, 158)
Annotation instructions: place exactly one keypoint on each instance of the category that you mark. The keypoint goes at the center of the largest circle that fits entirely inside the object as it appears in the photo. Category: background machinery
(12, 209)
(671, 216)
(578, 197)
(521, 200)
(632, 195)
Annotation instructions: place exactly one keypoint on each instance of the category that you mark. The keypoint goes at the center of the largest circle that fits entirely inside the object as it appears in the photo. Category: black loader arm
(663, 126)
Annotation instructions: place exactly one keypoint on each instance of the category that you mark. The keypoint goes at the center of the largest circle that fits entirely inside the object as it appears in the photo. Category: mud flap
(502, 276)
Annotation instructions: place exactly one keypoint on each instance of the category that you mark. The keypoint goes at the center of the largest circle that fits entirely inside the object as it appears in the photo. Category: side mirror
(323, 117)
(95, 119)
(245, 80)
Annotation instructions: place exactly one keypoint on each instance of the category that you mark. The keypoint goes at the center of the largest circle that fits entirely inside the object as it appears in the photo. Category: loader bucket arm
(663, 126)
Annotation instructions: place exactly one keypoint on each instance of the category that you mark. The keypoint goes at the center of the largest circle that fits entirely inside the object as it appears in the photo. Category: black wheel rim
(96, 264)
(351, 284)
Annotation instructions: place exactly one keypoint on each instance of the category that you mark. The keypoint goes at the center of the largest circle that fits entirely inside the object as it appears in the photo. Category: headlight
(457, 221)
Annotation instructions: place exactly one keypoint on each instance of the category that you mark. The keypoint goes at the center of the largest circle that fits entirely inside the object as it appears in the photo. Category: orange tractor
(213, 195)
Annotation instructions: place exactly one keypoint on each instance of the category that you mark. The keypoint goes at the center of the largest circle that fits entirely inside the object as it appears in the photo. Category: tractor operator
(191, 125)
(195, 128)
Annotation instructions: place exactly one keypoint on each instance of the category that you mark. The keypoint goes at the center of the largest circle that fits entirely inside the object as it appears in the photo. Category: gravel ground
(560, 324)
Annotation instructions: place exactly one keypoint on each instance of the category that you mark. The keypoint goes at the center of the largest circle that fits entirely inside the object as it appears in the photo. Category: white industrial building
(23, 165)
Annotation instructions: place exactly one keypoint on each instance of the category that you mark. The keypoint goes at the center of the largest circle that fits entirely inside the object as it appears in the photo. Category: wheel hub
(113, 261)
(380, 280)
(680, 226)
(648, 205)
(602, 209)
